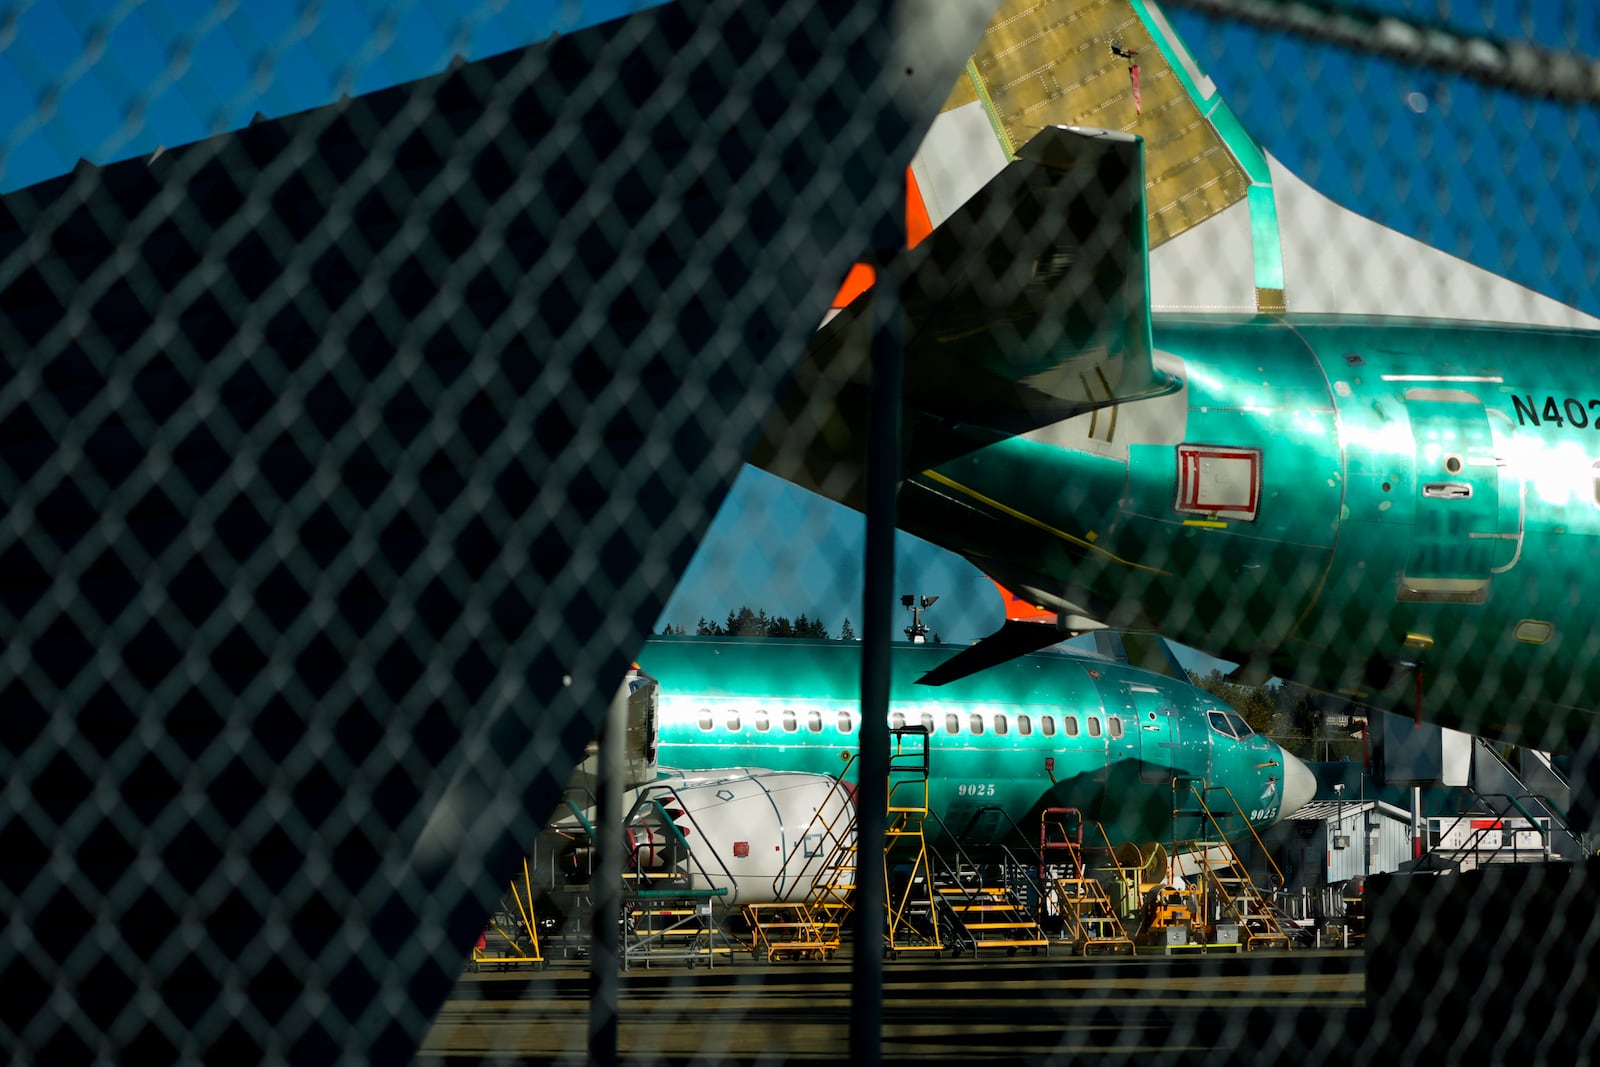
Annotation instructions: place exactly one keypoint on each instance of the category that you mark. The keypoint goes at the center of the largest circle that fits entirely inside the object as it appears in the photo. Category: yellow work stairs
(992, 917)
(811, 926)
(1089, 920)
(512, 937)
(1234, 899)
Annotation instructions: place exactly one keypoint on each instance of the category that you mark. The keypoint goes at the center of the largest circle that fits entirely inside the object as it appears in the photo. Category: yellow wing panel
(1050, 63)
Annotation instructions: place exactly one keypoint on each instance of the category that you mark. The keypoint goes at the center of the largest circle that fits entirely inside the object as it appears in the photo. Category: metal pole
(872, 795)
(1416, 822)
(605, 937)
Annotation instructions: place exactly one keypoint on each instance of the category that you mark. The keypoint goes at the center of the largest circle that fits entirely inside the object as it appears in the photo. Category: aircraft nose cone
(1299, 785)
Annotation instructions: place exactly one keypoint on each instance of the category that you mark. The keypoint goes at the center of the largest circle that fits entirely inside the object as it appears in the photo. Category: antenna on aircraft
(917, 632)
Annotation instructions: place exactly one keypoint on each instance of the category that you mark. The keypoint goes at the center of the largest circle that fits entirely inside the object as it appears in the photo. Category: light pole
(917, 632)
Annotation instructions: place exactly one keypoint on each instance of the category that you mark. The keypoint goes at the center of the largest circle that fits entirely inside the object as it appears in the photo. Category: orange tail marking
(918, 226)
(1020, 610)
(858, 281)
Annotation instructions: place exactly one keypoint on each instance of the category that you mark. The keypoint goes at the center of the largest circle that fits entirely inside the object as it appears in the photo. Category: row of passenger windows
(791, 722)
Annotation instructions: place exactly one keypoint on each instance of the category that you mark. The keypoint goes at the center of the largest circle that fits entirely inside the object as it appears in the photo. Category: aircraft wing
(1028, 305)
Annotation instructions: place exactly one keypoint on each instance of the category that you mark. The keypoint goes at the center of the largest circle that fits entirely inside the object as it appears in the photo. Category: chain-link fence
(349, 456)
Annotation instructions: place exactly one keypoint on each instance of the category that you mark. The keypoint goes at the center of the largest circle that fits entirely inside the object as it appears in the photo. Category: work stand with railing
(977, 916)
(671, 893)
(1508, 829)
(1234, 911)
(1089, 921)
(987, 907)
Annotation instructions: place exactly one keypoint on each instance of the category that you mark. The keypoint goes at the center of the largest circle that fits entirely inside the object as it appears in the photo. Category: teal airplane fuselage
(1048, 730)
(1403, 511)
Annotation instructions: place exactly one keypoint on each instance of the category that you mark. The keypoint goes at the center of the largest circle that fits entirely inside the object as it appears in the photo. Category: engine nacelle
(768, 836)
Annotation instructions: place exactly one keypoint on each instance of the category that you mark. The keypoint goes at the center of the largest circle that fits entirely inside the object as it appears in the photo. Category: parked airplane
(1303, 470)
(749, 831)
(1068, 729)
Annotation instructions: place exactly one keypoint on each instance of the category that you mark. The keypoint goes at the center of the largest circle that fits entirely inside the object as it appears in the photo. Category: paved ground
(1303, 1008)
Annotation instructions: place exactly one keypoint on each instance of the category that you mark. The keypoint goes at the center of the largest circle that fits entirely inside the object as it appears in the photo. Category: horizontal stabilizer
(1013, 639)
(1028, 305)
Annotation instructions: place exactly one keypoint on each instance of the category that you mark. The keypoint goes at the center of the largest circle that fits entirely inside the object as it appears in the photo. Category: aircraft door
(1457, 534)
(1159, 739)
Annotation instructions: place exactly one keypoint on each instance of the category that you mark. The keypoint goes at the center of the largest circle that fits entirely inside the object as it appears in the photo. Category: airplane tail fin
(1029, 304)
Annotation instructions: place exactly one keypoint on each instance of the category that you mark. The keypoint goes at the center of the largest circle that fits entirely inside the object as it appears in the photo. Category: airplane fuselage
(1340, 501)
(1048, 730)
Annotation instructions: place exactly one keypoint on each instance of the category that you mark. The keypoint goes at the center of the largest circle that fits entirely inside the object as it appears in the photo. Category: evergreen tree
(847, 632)
(808, 627)
(746, 623)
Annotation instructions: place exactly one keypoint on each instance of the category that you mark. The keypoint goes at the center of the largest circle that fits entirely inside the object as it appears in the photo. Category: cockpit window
(1230, 723)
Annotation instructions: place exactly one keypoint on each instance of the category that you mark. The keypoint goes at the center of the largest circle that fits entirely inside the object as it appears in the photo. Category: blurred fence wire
(348, 456)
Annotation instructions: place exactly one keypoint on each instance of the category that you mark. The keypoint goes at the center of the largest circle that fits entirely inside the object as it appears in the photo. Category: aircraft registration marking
(1570, 411)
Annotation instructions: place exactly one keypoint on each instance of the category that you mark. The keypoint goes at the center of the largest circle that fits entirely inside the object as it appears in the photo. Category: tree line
(746, 623)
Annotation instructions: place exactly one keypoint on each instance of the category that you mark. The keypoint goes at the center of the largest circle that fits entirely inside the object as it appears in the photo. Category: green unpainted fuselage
(1426, 498)
(1047, 730)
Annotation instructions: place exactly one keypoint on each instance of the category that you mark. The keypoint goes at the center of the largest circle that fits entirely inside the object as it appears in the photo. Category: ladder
(1089, 920)
(912, 922)
(1222, 871)
(512, 937)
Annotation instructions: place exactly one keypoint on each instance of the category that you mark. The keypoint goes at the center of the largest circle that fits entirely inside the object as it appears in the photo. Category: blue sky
(1495, 178)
